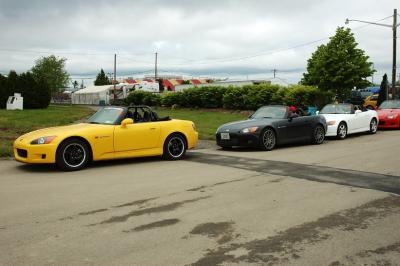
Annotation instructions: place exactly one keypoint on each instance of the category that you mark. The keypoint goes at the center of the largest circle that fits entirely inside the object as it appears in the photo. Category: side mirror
(357, 112)
(317, 112)
(126, 121)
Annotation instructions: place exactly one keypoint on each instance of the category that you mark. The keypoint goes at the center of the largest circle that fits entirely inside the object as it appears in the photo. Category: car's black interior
(140, 114)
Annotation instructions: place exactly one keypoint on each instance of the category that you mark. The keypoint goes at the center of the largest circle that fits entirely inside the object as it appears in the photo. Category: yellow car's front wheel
(72, 155)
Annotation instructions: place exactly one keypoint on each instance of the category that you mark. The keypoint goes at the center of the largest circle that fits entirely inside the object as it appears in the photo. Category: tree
(383, 90)
(52, 70)
(102, 79)
(339, 65)
(4, 91)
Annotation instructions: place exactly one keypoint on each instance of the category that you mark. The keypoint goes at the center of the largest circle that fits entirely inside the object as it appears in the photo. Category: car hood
(239, 125)
(56, 131)
(385, 112)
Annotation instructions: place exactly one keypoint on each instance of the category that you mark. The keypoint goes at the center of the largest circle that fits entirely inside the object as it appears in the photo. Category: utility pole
(115, 75)
(155, 69)
(394, 28)
(394, 54)
(274, 70)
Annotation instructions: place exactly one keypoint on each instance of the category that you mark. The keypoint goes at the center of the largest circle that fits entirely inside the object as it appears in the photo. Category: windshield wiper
(92, 122)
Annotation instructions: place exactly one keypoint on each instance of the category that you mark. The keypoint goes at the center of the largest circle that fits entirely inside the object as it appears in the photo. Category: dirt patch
(157, 209)
(92, 212)
(157, 224)
(134, 203)
(223, 231)
(286, 245)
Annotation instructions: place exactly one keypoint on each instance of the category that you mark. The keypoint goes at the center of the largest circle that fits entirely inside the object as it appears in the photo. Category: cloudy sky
(236, 39)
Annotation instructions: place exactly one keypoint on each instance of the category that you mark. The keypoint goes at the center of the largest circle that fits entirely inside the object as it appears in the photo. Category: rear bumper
(34, 154)
(238, 140)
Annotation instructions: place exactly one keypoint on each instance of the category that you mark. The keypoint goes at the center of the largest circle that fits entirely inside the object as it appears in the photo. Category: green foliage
(305, 96)
(338, 66)
(4, 91)
(102, 79)
(36, 92)
(139, 97)
(171, 98)
(249, 97)
(383, 90)
(234, 98)
(52, 70)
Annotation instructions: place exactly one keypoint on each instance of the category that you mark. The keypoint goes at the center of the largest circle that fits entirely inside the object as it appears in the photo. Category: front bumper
(331, 131)
(27, 153)
(389, 123)
(238, 140)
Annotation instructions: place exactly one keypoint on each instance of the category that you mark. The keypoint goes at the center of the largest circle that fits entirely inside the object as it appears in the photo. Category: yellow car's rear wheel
(174, 147)
(72, 155)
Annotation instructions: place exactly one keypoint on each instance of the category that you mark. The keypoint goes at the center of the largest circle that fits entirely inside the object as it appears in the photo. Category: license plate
(225, 136)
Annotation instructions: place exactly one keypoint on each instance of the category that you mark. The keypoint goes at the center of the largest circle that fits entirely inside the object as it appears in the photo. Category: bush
(36, 93)
(234, 98)
(171, 98)
(204, 97)
(139, 97)
(304, 96)
(249, 97)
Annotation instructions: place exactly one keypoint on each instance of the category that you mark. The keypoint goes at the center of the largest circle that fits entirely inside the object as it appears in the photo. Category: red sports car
(389, 114)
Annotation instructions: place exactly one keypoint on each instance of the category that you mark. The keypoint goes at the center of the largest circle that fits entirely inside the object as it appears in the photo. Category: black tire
(174, 147)
(373, 126)
(267, 139)
(341, 131)
(318, 136)
(72, 155)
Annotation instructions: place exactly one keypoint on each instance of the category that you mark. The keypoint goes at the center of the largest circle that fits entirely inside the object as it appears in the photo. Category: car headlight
(331, 123)
(43, 140)
(249, 130)
(391, 116)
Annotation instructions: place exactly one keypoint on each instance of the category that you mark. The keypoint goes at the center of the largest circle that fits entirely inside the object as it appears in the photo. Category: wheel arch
(80, 138)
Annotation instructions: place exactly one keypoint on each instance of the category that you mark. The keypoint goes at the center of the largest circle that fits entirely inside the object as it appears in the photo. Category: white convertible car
(344, 119)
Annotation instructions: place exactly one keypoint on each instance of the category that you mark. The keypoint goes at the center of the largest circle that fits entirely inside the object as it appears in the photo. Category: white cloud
(190, 36)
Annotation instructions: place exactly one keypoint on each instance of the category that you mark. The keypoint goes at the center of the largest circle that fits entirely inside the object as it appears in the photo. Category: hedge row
(36, 93)
(249, 97)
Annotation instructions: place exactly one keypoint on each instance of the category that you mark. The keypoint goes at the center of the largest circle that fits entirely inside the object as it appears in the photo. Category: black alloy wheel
(72, 155)
(174, 147)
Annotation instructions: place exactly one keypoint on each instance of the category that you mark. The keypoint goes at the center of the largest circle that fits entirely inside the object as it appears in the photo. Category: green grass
(207, 121)
(15, 123)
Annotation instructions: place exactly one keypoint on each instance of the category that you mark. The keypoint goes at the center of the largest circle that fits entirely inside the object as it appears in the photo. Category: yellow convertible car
(111, 133)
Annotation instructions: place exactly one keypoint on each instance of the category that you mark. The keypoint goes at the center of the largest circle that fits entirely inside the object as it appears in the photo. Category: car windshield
(390, 105)
(337, 109)
(270, 112)
(106, 115)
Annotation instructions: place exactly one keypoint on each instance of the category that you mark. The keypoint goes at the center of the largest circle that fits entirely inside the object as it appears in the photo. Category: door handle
(152, 128)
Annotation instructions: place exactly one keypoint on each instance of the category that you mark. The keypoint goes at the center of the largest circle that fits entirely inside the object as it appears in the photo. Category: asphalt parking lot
(332, 204)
